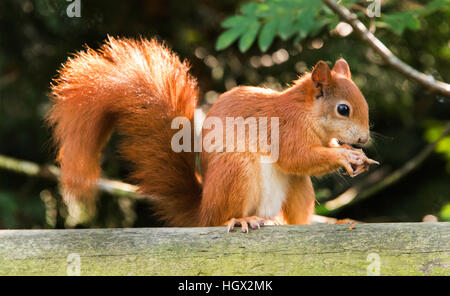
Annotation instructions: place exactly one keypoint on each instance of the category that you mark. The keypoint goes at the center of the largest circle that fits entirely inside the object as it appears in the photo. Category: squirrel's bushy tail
(136, 87)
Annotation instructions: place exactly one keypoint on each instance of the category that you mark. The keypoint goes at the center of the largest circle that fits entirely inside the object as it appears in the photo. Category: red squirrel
(138, 87)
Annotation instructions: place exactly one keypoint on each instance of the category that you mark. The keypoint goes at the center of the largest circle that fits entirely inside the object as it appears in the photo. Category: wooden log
(385, 249)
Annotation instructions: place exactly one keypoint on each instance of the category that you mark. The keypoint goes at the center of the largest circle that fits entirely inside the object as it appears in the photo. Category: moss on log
(385, 249)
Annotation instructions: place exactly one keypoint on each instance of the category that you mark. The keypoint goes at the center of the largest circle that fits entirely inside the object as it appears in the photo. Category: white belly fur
(274, 188)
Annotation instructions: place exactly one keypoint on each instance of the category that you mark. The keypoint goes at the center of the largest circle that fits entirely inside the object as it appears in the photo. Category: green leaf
(267, 34)
(249, 36)
(436, 5)
(319, 24)
(260, 10)
(234, 21)
(250, 9)
(305, 21)
(314, 5)
(286, 27)
(398, 22)
(264, 10)
(445, 213)
(228, 37)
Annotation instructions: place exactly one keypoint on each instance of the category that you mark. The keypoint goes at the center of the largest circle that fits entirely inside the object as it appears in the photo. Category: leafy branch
(393, 61)
(302, 18)
(285, 18)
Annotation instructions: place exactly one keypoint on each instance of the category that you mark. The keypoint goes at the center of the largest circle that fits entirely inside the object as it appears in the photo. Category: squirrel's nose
(363, 140)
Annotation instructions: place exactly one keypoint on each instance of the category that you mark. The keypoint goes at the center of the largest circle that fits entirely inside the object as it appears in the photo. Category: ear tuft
(321, 73)
(341, 67)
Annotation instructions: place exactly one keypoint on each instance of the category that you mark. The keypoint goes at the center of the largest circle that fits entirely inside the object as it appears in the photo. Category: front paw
(355, 161)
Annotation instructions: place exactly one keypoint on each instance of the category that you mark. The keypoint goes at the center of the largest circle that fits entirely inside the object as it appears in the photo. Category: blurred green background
(37, 36)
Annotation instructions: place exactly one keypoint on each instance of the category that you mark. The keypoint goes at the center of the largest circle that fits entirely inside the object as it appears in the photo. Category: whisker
(377, 135)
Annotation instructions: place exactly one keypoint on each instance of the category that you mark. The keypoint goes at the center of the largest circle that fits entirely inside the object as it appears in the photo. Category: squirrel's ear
(321, 73)
(341, 67)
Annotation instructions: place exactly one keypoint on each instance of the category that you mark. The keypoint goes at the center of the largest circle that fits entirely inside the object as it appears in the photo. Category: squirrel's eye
(343, 110)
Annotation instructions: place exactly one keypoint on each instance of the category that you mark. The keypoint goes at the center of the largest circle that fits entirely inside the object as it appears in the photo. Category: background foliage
(275, 42)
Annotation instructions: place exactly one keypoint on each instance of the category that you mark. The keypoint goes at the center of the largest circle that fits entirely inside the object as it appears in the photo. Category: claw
(371, 161)
(230, 227)
(254, 222)
(244, 226)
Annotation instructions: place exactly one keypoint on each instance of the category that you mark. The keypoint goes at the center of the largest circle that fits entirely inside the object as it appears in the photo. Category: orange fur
(139, 86)
(299, 205)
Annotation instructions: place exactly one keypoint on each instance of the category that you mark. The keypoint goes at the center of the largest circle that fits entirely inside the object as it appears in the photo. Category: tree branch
(427, 80)
(53, 173)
